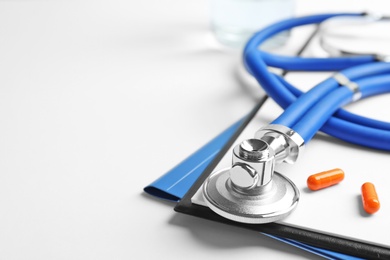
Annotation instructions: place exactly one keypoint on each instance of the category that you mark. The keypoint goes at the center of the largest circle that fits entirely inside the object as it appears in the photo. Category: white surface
(98, 99)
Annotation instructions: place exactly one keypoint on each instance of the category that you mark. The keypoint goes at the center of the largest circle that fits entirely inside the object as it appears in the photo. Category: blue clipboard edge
(175, 183)
(329, 246)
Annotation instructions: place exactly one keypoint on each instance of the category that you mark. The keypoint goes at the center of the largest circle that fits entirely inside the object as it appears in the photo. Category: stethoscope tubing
(298, 108)
(317, 115)
(318, 109)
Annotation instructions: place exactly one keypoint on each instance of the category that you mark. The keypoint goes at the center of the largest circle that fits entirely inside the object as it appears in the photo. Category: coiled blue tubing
(319, 108)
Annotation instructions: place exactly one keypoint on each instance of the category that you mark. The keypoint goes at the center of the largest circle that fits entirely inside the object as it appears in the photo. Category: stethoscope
(250, 191)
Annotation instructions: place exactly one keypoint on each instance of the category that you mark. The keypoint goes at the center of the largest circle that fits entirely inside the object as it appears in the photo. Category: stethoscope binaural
(250, 191)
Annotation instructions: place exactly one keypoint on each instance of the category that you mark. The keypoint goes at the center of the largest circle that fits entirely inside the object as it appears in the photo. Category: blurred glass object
(234, 21)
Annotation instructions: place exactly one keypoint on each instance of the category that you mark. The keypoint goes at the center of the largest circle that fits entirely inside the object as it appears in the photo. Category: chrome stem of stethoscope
(250, 191)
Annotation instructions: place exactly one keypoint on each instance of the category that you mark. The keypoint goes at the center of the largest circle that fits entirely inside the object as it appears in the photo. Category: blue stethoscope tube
(319, 108)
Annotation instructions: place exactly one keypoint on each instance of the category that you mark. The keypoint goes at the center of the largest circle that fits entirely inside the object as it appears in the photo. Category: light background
(97, 100)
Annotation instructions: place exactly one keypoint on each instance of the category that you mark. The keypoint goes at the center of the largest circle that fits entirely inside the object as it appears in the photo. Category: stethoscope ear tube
(367, 75)
(298, 63)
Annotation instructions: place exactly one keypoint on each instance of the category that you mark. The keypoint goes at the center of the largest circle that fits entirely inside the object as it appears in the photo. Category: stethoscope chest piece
(251, 192)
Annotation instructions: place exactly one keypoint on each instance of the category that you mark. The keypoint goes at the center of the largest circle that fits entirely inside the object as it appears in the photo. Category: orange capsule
(325, 179)
(370, 198)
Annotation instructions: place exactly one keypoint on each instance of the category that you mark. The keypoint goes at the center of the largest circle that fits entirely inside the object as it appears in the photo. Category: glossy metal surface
(250, 191)
(263, 204)
(257, 156)
(286, 143)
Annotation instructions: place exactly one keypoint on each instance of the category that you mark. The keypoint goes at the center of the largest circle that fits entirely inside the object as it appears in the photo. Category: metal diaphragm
(263, 204)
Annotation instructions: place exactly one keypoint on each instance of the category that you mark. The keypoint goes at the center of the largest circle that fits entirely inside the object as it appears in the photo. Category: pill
(370, 198)
(325, 179)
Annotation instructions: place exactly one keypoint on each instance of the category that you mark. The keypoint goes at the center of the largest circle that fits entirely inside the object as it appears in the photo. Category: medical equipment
(250, 191)
(343, 36)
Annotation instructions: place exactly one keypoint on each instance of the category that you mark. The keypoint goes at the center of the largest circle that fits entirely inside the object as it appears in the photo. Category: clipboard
(335, 241)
